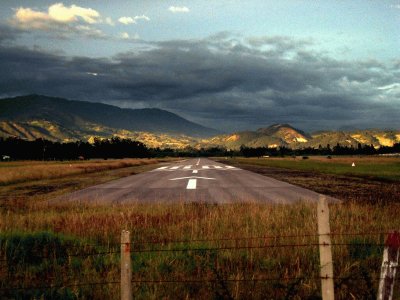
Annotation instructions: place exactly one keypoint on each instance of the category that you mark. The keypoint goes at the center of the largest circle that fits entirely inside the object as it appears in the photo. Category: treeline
(328, 150)
(40, 149)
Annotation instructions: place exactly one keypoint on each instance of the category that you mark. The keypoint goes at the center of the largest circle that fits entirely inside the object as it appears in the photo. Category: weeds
(172, 244)
(60, 233)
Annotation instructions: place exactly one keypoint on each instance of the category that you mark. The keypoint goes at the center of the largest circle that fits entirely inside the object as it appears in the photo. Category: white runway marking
(192, 183)
(193, 177)
(195, 171)
(189, 167)
(162, 168)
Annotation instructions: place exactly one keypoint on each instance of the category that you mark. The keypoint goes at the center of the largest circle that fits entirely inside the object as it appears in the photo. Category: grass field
(381, 168)
(45, 246)
(374, 180)
(22, 171)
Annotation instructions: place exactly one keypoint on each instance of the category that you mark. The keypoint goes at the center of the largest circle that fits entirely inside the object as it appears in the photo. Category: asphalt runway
(192, 180)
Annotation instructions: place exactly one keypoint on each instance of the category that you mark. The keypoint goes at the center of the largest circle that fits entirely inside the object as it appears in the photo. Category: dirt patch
(35, 190)
(345, 188)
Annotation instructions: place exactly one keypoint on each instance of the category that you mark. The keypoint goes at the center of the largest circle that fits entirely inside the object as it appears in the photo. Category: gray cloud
(223, 81)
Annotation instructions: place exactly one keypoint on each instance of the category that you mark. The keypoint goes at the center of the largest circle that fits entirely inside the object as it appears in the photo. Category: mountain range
(57, 119)
(285, 135)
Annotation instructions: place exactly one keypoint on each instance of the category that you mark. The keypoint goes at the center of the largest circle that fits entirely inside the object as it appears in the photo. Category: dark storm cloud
(8, 34)
(245, 82)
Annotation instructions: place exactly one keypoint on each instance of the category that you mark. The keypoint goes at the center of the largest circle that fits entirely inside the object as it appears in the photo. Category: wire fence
(270, 241)
(135, 246)
(185, 281)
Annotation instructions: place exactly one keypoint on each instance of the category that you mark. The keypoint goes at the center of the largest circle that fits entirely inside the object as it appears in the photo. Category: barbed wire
(186, 281)
(114, 246)
(259, 237)
(225, 248)
(60, 286)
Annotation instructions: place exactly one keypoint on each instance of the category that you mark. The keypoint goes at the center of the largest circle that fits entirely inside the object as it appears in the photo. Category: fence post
(126, 268)
(390, 263)
(325, 251)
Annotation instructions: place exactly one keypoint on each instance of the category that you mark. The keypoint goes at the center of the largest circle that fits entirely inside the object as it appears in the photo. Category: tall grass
(205, 226)
(43, 245)
(16, 172)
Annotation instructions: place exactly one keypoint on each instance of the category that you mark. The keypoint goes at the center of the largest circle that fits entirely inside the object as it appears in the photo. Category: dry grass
(15, 172)
(80, 229)
(155, 226)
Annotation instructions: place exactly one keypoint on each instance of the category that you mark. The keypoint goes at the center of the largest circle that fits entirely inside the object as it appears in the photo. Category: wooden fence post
(126, 268)
(325, 250)
(390, 263)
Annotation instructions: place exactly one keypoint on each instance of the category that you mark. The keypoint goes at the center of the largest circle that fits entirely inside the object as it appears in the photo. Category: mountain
(286, 133)
(72, 118)
(278, 135)
(375, 137)
(34, 129)
(273, 136)
(57, 119)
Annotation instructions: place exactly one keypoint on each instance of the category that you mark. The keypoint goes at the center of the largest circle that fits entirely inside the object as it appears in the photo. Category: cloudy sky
(227, 64)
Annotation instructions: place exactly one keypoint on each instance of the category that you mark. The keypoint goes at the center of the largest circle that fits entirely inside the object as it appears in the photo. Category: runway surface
(192, 180)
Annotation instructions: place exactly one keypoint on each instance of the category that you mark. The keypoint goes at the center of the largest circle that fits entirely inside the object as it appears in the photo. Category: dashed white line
(198, 162)
(187, 167)
(195, 171)
(192, 183)
(162, 168)
(218, 167)
(206, 167)
(174, 168)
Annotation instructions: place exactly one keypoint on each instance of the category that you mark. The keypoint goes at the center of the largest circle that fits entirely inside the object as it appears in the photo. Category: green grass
(59, 233)
(372, 168)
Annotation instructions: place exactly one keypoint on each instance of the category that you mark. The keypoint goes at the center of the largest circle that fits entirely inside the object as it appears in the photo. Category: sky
(231, 65)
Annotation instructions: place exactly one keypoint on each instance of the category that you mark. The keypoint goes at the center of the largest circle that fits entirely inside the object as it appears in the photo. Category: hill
(77, 118)
(57, 119)
(278, 135)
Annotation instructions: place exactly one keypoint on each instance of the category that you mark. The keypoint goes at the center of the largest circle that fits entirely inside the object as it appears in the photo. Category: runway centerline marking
(191, 185)
(192, 182)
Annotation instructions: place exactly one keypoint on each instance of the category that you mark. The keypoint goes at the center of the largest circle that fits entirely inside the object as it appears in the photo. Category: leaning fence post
(390, 263)
(325, 251)
(126, 269)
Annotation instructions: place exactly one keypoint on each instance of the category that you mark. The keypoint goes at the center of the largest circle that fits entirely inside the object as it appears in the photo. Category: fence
(320, 241)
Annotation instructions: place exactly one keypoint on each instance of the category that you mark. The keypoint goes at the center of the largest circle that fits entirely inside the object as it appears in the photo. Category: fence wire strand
(186, 281)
